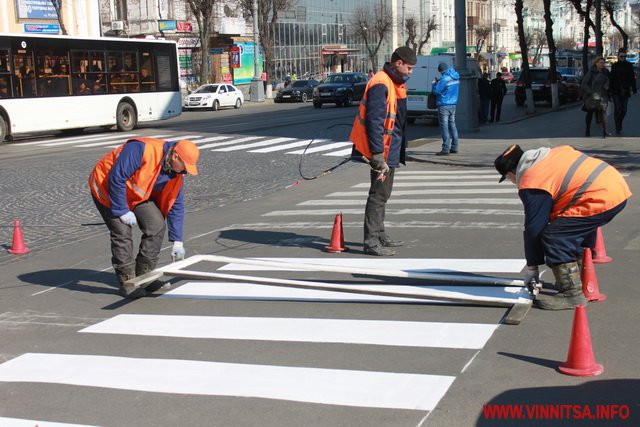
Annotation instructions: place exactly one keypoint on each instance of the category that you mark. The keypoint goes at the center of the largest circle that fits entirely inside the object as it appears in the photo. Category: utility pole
(598, 5)
(467, 109)
(257, 87)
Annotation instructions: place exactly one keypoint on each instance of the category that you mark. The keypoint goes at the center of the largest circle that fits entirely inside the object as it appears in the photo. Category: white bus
(59, 82)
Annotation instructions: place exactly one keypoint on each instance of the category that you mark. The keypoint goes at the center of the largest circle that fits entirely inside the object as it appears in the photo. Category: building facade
(80, 17)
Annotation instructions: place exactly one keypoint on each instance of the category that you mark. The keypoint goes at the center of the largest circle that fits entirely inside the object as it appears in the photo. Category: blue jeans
(447, 118)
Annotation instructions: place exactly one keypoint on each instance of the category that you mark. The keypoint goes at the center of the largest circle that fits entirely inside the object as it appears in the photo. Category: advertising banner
(42, 28)
(167, 25)
(243, 73)
(36, 9)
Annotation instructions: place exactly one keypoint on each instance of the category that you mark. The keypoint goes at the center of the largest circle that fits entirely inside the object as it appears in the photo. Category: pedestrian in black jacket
(622, 82)
(498, 91)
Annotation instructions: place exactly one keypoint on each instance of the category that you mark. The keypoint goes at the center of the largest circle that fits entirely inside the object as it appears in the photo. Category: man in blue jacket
(446, 90)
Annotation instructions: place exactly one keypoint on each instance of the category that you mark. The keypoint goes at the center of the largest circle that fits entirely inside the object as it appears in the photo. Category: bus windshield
(70, 82)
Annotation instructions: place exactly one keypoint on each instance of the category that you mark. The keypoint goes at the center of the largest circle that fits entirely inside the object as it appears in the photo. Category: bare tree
(524, 49)
(57, 5)
(537, 40)
(202, 10)
(267, 19)
(418, 38)
(372, 26)
(482, 32)
(553, 76)
(611, 6)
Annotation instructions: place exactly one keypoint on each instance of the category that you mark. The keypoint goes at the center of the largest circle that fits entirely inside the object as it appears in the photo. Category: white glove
(129, 218)
(532, 275)
(178, 252)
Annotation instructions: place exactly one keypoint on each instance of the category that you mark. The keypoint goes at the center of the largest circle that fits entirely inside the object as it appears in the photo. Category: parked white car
(214, 96)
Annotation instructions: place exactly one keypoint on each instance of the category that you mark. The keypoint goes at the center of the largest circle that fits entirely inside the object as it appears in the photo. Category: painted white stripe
(345, 331)
(391, 211)
(435, 184)
(509, 190)
(341, 153)
(255, 144)
(253, 292)
(300, 143)
(99, 144)
(97, 139)
(362, 202)
(233, 141)
(414, 265)
(15, 422)
(211, 139)
(444, 177)
(313, 385)
(325, 147)
(75, 138)
(389, 224)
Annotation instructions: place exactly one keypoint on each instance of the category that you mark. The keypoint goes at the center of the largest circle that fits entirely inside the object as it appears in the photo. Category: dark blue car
(340, 89)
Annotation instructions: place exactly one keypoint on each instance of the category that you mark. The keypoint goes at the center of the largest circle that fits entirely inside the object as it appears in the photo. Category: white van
(419, 83)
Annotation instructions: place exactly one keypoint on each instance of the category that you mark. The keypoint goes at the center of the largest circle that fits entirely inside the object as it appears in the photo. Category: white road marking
(299, 143)
(453, 172)
(325, 147)
(341, 153)
(392, 201)
(461, 176)
(15, 422)
(99, 144)
(434, 184)
(391, 211)
(97, 138)
(313, 385)
(425, 192)
(270, 141)
(233, 141)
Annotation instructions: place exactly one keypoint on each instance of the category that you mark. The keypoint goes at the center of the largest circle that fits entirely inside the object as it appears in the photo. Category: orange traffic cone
(337, 238)
(18, 247)
(589, 279)
(601, 252)
(580, 361)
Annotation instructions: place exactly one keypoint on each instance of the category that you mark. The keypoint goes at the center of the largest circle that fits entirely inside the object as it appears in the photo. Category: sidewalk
(564, 127)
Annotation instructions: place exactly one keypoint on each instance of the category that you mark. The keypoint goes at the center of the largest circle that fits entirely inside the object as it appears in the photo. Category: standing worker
(566, 195)
(378, 135)
(446, 90)
(622, 82)
(140, 183)
(498, 91)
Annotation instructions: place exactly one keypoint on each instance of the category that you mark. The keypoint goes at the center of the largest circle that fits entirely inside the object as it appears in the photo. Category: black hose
(328, 170)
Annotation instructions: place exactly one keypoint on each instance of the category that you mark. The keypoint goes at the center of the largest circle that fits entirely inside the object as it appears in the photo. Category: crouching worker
(566, 195)
(140, 183)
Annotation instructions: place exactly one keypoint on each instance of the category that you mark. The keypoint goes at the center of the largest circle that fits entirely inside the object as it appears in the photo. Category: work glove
(178, 252)
(378, 163)
(129, 218)
(532, 275)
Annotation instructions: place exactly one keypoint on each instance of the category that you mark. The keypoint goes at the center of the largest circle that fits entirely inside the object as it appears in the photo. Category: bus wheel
(125, 117)
(3, 129)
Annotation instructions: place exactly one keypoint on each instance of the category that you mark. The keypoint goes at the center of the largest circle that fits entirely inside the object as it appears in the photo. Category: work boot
(569, 287)
(388, 242)
(125, 273)
(145, 265)
(378, 250)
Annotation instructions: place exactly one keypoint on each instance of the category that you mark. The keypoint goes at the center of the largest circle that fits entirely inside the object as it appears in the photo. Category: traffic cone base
(589, 279)
(18, 247)
(580, 361)
(337, 237)
(601, 252)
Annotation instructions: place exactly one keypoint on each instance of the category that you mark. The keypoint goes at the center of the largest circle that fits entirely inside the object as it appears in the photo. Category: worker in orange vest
(566, 195)
(140, 183)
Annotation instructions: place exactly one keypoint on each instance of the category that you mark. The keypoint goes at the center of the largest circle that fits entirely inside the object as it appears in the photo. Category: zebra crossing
(421, 200)
(216, 143)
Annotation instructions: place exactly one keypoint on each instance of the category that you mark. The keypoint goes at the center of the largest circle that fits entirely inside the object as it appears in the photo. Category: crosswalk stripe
(313, 385)
(399, 201)
(211, 139)
(323, 225)
(467, 265)
(461, 176)
(453, 172)
(435, 184)
(325, 147)
(98, 138)
(433, 211)
(255, 144)
(74, 138)
(286, 146)
(233, 141)
(16, 422)
(340, 153)
(509, 190)
(345, 331)
(100, 144)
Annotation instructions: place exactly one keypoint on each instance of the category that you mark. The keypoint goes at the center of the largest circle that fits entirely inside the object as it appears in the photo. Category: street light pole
(466, 111)
(257, 87)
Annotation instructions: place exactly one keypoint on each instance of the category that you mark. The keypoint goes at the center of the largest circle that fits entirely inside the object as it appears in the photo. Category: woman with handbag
(595, 95)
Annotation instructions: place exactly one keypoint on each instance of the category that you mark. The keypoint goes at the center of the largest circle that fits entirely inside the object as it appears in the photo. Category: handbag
(593, 102)
(431, 101)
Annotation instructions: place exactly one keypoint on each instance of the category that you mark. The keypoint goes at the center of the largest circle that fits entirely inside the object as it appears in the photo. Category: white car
(213, 96)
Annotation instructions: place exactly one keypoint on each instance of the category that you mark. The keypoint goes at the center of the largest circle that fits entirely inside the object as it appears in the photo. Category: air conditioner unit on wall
(117, 25)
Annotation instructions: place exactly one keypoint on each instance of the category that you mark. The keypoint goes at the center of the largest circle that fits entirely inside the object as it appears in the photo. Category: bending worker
(378, 134)
(566, 195)
(140, 183)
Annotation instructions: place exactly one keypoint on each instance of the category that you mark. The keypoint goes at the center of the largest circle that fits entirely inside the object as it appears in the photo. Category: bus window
(5, 75)
(147, 78)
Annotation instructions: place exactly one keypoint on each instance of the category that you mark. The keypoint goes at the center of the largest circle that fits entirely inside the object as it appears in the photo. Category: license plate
(194, 104)
(536, 86)
(325, 94)
(416, 98)
(286, 96)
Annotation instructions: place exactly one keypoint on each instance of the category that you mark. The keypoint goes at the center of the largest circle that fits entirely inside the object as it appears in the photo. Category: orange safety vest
(140, 184)
(580, 185)
(359, 132)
